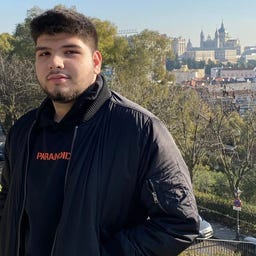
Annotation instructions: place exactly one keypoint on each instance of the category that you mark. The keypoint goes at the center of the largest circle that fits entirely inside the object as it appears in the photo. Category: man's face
(65, 66)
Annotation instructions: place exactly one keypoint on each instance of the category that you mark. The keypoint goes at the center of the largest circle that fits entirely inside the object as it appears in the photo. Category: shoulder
(23, 124)
(29, 116)
(129, 114)
(26, 120)
(128, 107)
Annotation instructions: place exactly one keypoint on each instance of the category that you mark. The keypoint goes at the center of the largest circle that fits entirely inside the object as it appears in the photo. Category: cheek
(40, 70)
(37, 68)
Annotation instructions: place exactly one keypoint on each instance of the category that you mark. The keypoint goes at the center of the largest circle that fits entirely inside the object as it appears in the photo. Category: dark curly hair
(64, 20)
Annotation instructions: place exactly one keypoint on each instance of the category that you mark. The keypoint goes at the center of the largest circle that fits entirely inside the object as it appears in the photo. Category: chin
(62, 98)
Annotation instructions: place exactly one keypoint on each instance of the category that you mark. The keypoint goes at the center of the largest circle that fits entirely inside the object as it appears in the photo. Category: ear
(97, 59)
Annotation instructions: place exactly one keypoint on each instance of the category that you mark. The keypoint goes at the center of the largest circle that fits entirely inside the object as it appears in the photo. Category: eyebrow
(44, 48)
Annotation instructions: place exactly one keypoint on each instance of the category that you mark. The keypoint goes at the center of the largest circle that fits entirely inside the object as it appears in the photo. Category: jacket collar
(103, 95)
(90, 101)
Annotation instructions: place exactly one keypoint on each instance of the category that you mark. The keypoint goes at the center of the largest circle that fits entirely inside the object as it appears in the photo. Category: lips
(57, 77)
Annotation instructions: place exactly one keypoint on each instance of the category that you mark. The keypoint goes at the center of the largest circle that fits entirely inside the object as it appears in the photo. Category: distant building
(223, 55)
(225, 48)
(249, 57)
(221, 40)
(234, 74)
(238, 74)
(200, 55)
(249, 53)
(184, 74)
(179, 45)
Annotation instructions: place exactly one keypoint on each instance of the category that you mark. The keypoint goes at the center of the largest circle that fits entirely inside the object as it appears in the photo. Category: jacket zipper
(24, 189)
(154, 195)
(65, 182)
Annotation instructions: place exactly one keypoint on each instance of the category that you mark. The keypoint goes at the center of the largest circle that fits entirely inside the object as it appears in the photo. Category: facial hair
(60, 97)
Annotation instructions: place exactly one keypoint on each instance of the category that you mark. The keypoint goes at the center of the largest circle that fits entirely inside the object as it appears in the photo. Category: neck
(61, 109)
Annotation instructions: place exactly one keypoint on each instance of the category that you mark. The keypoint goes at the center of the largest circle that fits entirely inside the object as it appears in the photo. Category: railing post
(237, 226)
(237, 206)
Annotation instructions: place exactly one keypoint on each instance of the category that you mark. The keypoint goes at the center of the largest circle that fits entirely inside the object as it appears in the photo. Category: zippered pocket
(169, 193)
(154, 195)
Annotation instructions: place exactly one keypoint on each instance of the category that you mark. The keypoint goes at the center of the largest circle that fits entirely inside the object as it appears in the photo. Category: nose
(56, 62)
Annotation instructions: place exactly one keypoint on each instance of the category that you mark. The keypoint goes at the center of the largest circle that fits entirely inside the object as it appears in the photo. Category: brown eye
(43, 54)
(71, 52)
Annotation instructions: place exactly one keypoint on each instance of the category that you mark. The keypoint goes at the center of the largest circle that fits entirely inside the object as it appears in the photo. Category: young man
(90, 172)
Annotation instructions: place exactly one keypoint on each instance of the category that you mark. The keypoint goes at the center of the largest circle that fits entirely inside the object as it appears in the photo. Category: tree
(251, 64)
(209, 181)
(193, 64)
(145, 57)
(189, 127)
(23, 45)
(233, 145)
(18, 88)
(111, 46)
(173, 62)
(248, 187)
(210, 64)
(6, 43)
(140, 74)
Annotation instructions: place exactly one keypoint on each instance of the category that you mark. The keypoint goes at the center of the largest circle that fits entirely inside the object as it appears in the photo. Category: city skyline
(183, 18)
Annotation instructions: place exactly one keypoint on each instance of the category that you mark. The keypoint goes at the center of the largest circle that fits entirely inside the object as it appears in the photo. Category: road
(223, 232)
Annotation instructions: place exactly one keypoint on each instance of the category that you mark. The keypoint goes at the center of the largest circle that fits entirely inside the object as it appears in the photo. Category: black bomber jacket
(127, 188)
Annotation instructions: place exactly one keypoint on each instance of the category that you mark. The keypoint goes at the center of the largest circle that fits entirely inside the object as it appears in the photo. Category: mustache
(58, 73)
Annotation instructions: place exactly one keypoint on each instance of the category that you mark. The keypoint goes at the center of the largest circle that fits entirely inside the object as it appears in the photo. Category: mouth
(57, 78)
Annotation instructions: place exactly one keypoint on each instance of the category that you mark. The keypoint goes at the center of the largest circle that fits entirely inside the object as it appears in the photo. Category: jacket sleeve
(168, 198)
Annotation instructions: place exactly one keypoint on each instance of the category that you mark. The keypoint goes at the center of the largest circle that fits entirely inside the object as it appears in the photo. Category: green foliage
(145, 57)
(224, 207)
(211, 182)
(112, 47)
(209, 138)
(232, 149)
(193, 64)
(208, 67)
(173, 64)
(248, 187)
(138, 73)
(23, 45)
(189, 127)
(6, 43)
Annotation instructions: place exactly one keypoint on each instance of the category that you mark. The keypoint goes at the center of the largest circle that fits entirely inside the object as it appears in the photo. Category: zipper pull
(153, 191)
(155, 197)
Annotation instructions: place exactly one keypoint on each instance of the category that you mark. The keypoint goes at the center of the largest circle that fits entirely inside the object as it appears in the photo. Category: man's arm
(168, 198)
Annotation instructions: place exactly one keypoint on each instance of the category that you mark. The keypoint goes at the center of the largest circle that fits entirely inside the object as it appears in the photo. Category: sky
(185, 18)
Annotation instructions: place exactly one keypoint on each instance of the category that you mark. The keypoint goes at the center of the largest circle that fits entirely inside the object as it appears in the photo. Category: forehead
(58, 40)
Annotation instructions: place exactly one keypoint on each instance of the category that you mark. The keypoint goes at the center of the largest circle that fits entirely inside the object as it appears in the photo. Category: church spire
(222, 29)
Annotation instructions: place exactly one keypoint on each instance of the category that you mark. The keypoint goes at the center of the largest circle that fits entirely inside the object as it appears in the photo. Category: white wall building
(179, 45)
(228, 73)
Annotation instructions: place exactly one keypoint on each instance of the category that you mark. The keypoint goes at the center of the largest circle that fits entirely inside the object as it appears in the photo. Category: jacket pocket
(155, 195)
(170, 194)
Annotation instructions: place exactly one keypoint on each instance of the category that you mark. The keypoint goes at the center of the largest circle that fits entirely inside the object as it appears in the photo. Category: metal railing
(217, 247)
